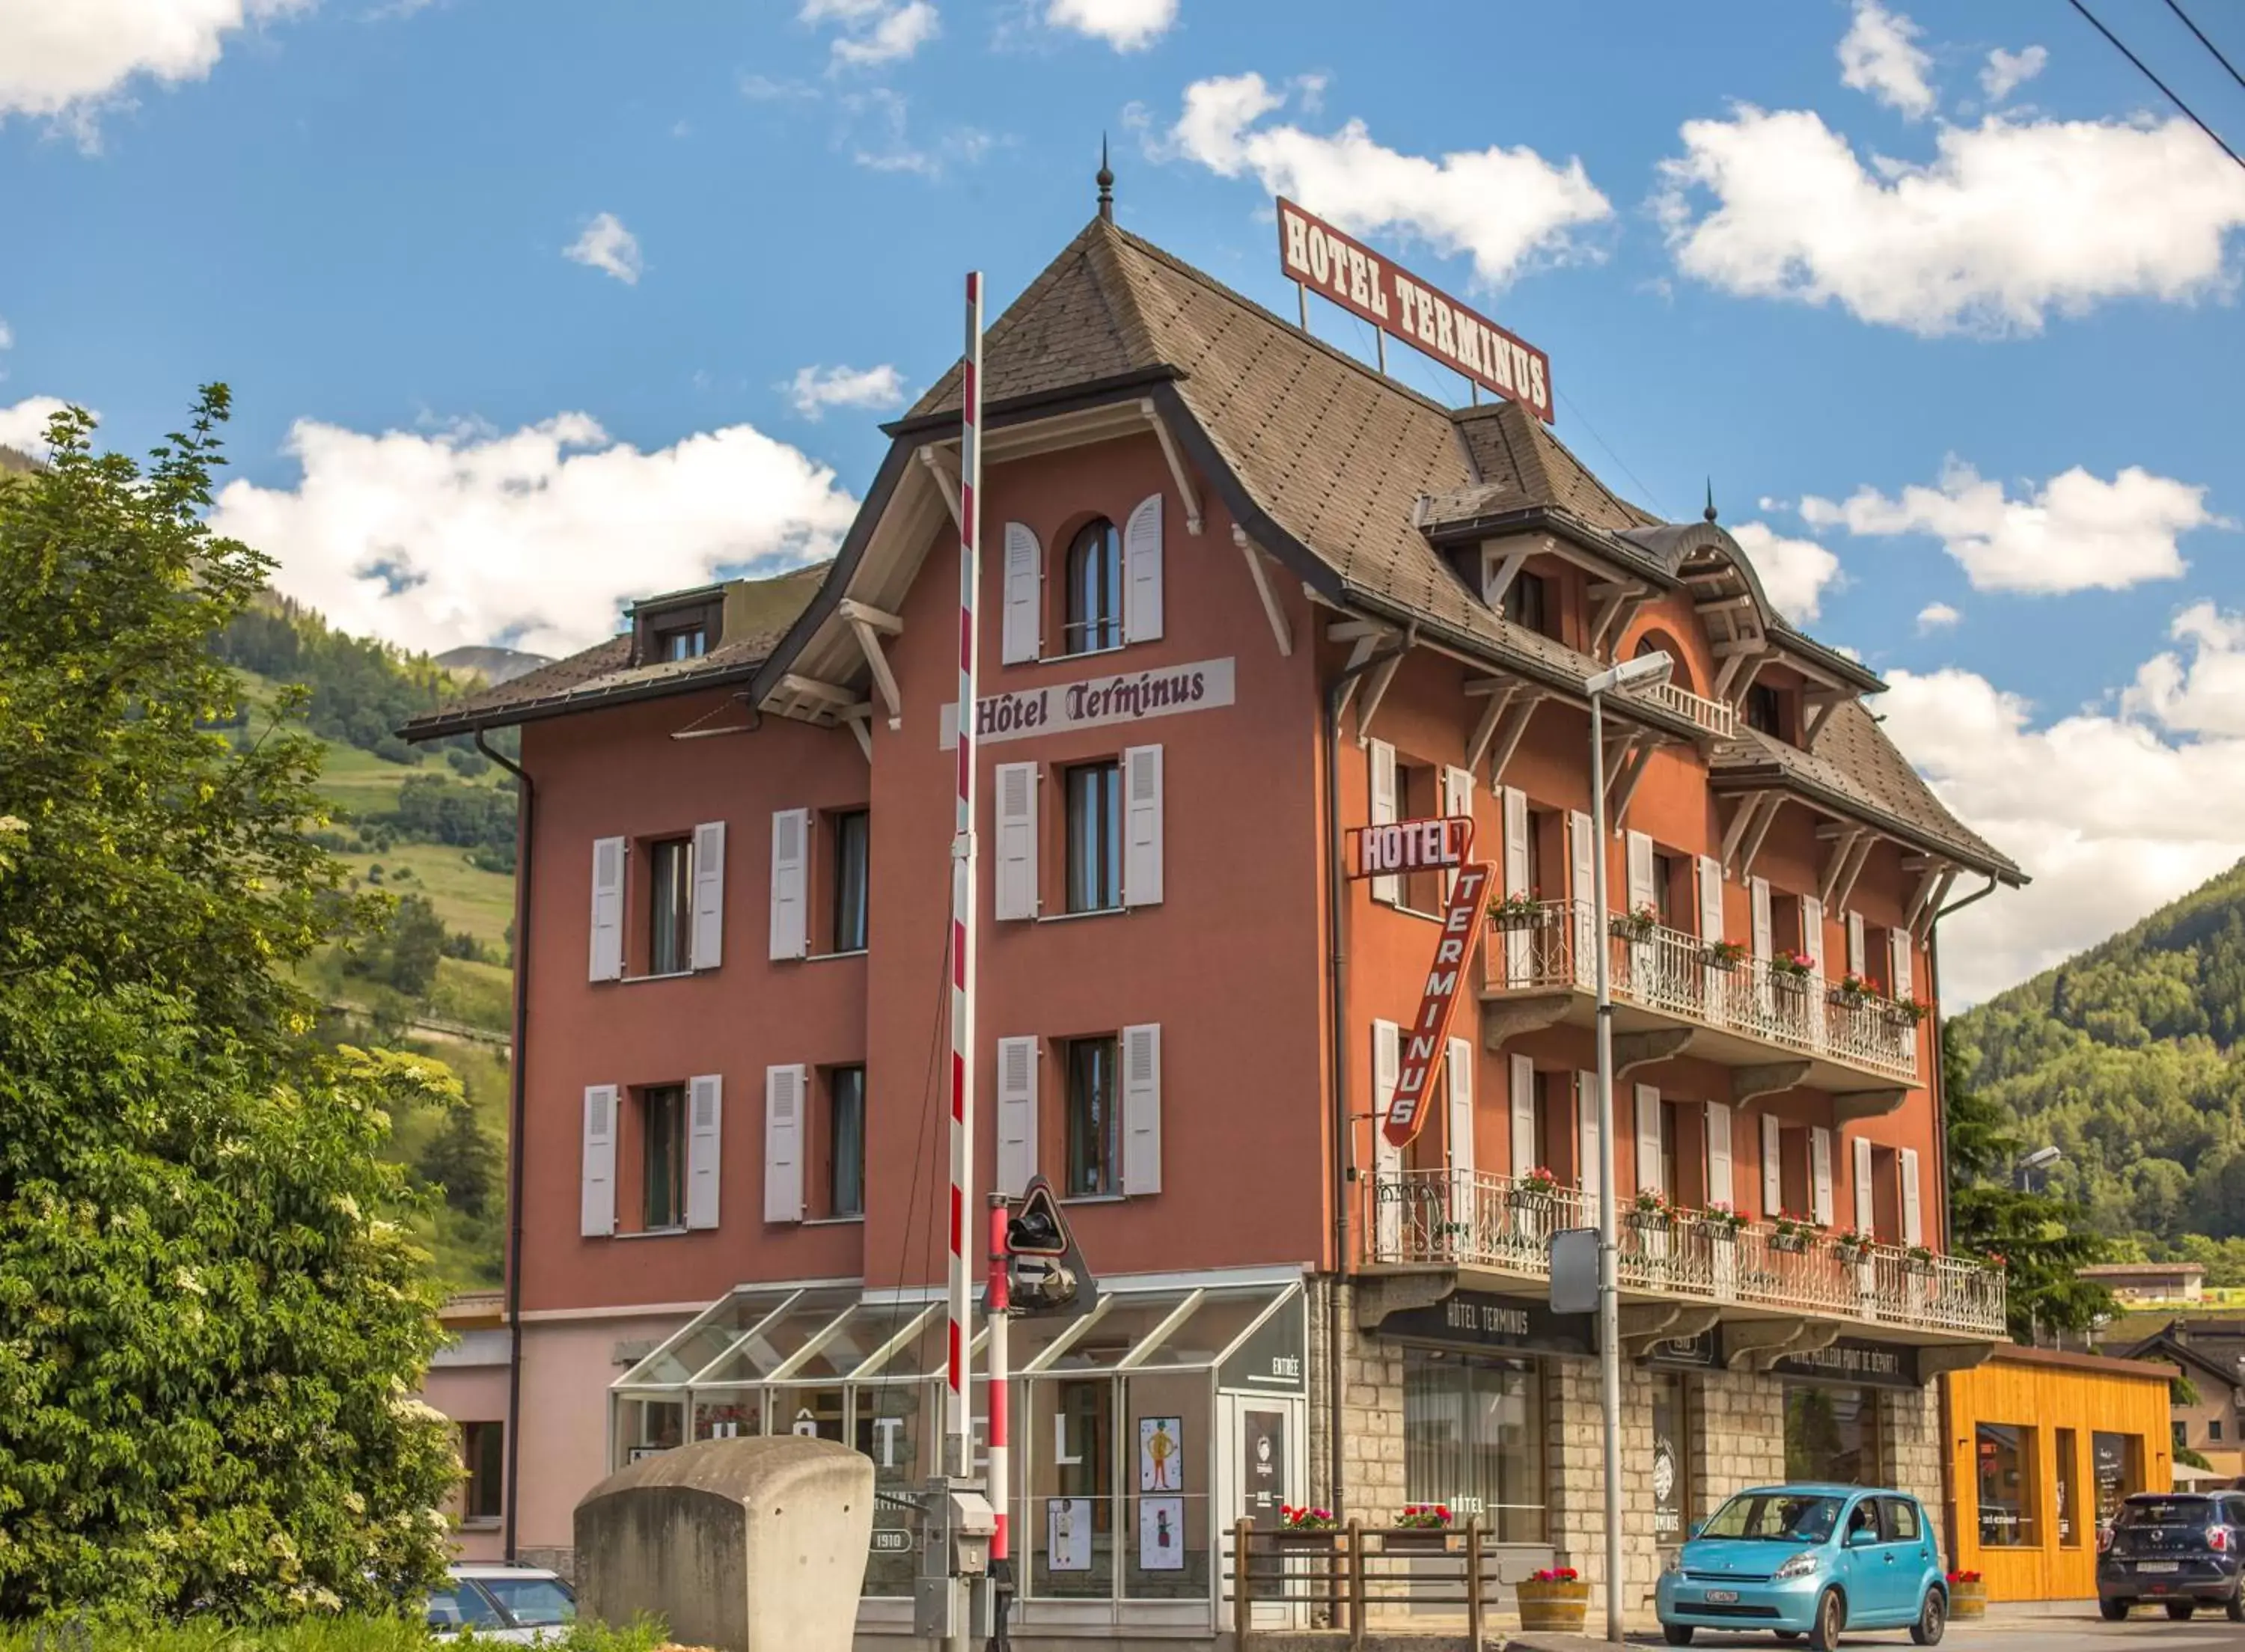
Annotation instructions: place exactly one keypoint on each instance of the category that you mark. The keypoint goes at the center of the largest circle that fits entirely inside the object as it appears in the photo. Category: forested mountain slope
(2130, 1058)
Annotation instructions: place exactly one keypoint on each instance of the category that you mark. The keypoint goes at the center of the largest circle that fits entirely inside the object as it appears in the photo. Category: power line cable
(1652, 498)
(2208, 45)
(2145, 70)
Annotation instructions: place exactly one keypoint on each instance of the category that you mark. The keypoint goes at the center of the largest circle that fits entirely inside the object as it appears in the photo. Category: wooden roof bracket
(1500, 692)
(1508, 741)
(1179, 474)
(1368, 635)
(1853, 870)
(1749, 806)
(1280, 629)
(1618, 599)
(869, 624)
(1618, 799)
(861, 728)
(943, 472)
(1375, 690)
(1752, 845)
(1921, 921)
(1495, 585)
(1741, 665)
(1823, 703)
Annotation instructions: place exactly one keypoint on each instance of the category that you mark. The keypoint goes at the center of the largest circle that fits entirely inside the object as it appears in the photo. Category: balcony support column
(1758, 1344)
(1379, 1295)
(1504, 1019)
(1939, 1361)
(1645, 1325)
(1747, 1082)
(1632, 1049)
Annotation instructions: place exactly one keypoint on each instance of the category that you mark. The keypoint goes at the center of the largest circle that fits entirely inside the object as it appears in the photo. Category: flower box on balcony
(1723, 955)
(1635, 926)
(1723, 1222)
(1515, 912)
(1852, 1247)
(1791, 968)
(1792, 1234)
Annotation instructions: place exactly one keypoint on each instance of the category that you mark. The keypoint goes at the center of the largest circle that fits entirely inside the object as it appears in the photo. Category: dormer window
(672, 629)
(682, 642)
(1528, 605)
(1765, 711)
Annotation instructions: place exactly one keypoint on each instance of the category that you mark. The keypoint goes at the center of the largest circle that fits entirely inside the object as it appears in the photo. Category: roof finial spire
(1709, 511)
(1105, 184)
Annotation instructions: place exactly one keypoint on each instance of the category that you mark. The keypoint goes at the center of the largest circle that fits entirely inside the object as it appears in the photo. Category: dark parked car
(2183, 1549)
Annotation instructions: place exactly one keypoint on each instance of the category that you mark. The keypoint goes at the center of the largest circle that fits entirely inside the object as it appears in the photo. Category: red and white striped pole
(957, 1451)
(1001, 1409)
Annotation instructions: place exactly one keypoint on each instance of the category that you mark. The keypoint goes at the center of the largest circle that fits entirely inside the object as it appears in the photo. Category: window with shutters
(850, 836)
(1093, 581)
(1095, 1118)
(1671, 1138)
(1094, 836)
(1668, 871)
(845, 1141)
(670, 906)
(662, 1157)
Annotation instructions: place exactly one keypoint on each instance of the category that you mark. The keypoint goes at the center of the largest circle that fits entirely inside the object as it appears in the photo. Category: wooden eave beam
(943, 472)
(869, 644)
(1494, 586)
(1280, 630)
(861, 728)
(1179, 474)
(1752, 845)
(880, 619)
(1843, 839)
(1922, 925)
(1375, 690)
(1515, 728)
(1366, 642)
(1723, 605)
(1928, 883)
(1501, 694)
(1622, 599)
(1618, 809)
(1823, 703)
(824, 693)
(1740, 666)
(1854, 869)
(1742, 817)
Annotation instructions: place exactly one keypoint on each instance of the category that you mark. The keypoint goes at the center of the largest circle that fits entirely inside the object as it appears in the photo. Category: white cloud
(882, 141)
(2109, 819)
(69, 60)
(2074, 533)
(608, 247)
(24, 426)
(7, 338)
(535, 537)
(874, 31)
(2206, 694)
(2006, 71)
(817, 389)
(2009, 222)
(1937, 616)
(1794, 571)
(1879, 55)
(1127, 25)
(1508, 207)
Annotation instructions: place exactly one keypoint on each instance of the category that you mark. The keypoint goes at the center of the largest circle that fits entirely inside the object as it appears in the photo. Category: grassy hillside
(2130, 1058)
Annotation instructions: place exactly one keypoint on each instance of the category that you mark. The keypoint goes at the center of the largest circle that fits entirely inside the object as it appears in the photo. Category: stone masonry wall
(1910, 1426)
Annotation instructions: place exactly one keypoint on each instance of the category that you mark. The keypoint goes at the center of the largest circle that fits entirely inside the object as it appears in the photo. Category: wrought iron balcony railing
(1474, 1219)
(1547, 945)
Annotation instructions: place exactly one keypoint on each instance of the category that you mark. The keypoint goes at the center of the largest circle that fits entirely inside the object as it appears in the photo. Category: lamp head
(1640, 672)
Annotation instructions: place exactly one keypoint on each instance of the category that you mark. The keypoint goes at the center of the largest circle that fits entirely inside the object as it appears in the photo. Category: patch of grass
(475, 994)
(467, 899)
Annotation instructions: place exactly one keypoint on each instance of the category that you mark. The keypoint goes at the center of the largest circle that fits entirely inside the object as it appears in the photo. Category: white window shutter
(1457, 801)
(1772, 1168)
(1820, 1167)
(1650, 1170)
(791, 884)
(1855, 945)
(1581, 874)
(1519, 868)
(1459, 1068)
(1388, 886)
(1142, 825)
(607, 908)
(1387, 1073)
(1711, 898)
(1588, 1154)
(1762, 943)
(1812, 933)
(708, 949)
(1866, 1207)
(1015, 894)
(1141, 1109)
(785, 1088)
(1641, 871)
(1526, 1150)
(705, 1125)
(1913, 1212)
(1719, 1191)
(597, 1204)
(1142, 572)
(1017, 1115)
(1019, 634)
(1901, 978)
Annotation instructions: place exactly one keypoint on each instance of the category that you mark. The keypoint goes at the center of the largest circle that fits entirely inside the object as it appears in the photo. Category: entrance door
(1262, 1464)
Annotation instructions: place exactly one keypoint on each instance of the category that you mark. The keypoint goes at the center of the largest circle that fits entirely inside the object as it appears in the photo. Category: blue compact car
(1808, 1560)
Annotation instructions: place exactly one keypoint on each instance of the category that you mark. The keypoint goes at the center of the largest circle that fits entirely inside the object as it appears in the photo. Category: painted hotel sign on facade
(1345, 270)
(1094, 702)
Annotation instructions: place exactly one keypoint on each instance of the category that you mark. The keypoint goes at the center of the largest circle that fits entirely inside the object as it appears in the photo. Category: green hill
(2130, 1058)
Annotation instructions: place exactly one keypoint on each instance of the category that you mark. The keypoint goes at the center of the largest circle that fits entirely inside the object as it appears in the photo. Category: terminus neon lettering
(1461, 921)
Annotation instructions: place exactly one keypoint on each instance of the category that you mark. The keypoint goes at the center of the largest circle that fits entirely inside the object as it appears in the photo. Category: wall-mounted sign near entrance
(1271, 1360)
(1345, 270)
(1702, 1352)
(1095, 703)
(1477, 1319)
(1853, 1360)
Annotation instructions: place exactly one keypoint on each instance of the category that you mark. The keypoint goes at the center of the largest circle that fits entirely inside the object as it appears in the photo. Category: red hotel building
(1243, 592)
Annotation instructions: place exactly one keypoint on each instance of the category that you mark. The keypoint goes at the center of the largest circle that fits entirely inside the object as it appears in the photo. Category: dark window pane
(1762, 709)
(685, 642)
(2005, 1457)
(461, 1602)
(1832, 1434)
(1472, 1435)
(845, 1186)
(670, 906)
(852, 836)
(1094, 589)
(1094, 1137)
(483, 1451)
(534, 1602)
(1527, 602)
(1094, 838)
(663, 1155)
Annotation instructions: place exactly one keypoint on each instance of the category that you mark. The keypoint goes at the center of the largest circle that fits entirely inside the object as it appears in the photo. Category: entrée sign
(1345, 270)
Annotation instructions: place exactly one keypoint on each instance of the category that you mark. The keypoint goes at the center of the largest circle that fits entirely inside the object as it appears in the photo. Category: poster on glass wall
(1263, 1478)
(1161, 1534)
(1161, 1453)
(1067, 1533)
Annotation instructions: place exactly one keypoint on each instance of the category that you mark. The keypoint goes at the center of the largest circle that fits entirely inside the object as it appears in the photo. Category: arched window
(1094, 589)
(1661, 642)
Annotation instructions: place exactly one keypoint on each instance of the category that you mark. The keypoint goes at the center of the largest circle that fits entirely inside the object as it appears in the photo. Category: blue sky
(1840, 261)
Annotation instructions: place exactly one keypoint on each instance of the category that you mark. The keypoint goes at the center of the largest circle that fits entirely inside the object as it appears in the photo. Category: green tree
(2042, 1240)
(210, 1317)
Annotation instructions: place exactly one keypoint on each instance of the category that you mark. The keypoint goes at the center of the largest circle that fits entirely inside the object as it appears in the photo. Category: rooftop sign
(1345, 270)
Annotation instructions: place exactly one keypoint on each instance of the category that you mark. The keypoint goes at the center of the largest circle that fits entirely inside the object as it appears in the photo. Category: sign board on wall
(1851, 1361)
(1345, 270)
(1478, 1319)
(1437, 844)
(1093, 702)
(1463, 915)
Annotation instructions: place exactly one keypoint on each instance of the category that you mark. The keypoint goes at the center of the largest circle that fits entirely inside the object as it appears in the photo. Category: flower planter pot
(1553, 1608)
(1967, 1601)
(1414, 1540)
(1792, 1243)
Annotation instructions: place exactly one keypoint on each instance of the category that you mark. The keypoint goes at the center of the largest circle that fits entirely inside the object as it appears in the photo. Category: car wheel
(1787, 1635)
(1677, 1633)
(2235, 1604)
(2180, 1610)
(1826, 1634)
(2113, 1611)
(1932, 1618)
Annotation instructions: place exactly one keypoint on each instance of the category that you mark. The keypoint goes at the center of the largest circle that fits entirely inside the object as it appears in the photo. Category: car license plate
(1722, 1597)
(2156, 1566)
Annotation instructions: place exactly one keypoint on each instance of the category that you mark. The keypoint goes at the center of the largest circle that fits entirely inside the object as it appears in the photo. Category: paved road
(2143, 1632)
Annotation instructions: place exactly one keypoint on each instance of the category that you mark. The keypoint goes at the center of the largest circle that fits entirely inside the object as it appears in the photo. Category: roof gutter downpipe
(1337, 1052)
(525, 817)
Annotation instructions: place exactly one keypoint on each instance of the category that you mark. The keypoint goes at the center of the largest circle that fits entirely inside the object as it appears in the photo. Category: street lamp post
(1643, 670)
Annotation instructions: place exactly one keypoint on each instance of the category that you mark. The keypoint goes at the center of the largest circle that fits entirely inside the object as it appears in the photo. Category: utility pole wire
(2156, 81)
(2203, 41)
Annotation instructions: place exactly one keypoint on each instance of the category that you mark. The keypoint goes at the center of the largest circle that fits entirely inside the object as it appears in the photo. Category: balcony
(1475, 1221)
(1717, 718)
(1745, 1012)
